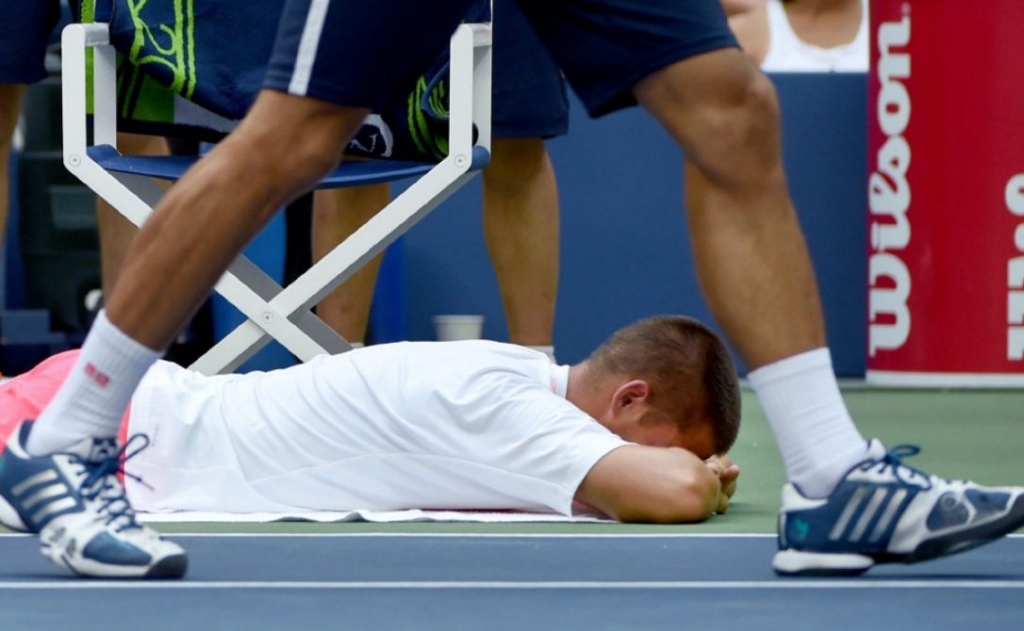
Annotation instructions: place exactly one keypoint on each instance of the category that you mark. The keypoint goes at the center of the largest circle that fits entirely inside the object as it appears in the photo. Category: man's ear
(630, 394)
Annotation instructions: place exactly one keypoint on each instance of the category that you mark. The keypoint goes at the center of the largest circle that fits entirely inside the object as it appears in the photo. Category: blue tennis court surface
(492, 582)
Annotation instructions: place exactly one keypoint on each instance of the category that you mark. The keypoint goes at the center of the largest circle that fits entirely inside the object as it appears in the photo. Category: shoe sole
(171, 567)
(803, 563)
(807, 563)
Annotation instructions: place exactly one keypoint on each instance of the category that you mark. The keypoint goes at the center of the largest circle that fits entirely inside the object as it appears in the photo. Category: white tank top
(788, 53)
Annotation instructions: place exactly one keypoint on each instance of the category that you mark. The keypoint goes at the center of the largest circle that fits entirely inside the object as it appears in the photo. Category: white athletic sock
(547, 350)
(816, 436)
(93, 398)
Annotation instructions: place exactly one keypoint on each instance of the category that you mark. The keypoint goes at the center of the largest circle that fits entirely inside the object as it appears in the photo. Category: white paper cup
(458, 327)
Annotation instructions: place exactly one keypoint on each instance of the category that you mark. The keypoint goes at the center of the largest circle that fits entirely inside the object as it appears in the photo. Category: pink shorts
(25, 396)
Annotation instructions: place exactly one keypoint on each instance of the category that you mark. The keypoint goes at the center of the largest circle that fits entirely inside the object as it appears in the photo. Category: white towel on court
(415, 515)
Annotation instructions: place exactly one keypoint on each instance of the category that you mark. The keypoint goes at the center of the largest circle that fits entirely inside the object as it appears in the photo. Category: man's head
(665, 381)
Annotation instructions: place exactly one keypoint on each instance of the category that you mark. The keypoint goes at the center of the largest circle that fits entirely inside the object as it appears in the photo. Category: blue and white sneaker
(883, 511)
(77, 505)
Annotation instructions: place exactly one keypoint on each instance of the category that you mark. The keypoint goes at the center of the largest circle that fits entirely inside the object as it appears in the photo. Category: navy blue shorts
(358, 52)
(529, 97)
(24, 34)
(605, 47)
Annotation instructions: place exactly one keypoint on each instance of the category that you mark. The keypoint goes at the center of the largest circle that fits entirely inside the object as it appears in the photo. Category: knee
(757, 115)
(515, 161)
(313, 132)
(313, 154)
(296, 161)
(723, 112)
(741, 141)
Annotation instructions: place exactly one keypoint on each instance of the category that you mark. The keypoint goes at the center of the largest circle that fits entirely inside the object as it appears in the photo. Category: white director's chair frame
(274, 312)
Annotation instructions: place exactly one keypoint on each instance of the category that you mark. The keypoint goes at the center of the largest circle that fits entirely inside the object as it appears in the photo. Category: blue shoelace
(903, 472)
(101, 483)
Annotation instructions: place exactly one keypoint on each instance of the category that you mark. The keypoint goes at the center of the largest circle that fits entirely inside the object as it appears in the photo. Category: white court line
(518, 585)
(466, 535)
(447, 535)
(482, 535)
(497, 535)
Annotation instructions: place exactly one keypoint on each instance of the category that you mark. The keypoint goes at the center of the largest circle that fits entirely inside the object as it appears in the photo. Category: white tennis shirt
(454, 425)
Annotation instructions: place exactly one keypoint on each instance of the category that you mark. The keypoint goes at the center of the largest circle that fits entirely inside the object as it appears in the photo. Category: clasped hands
(728, 472)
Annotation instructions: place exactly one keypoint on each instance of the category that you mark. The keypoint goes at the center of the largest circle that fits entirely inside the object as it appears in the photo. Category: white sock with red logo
(93, 398)
(805, 409)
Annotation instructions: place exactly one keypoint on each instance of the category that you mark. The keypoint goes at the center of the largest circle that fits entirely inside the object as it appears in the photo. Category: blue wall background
(625, 249)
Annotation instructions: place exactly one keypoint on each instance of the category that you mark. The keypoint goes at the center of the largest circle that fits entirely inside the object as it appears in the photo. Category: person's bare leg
(749, 249)
(11, 95)
(521, 229)
(194, 233)
(337, 213)
(115, 231)
(209, 216)
(751, 257)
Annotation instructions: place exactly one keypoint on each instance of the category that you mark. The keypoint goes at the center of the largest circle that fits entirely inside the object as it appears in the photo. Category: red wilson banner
(946, 194)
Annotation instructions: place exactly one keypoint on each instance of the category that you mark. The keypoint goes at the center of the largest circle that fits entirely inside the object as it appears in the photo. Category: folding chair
(274, 312)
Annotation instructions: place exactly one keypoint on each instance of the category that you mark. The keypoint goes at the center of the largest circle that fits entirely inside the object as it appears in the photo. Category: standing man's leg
(521, 222)
(521, 209)
(24, 32)
(11, 95)
(681, 62)
(749, 250)
(337, 213)
(115, 231)
(328, 70)
(520, 229)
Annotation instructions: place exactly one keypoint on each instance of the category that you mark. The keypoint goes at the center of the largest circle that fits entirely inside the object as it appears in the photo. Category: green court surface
(973, 434)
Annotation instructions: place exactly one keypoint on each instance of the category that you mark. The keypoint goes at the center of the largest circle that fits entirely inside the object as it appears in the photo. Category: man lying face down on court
(638, 431)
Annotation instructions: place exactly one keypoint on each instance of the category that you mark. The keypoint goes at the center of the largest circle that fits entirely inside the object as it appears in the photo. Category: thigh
(530, 99)
(605, 47)
(24, 32)
(358, 53)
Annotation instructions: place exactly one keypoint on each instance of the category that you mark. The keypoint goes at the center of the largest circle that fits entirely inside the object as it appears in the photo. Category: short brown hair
(689, 368)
